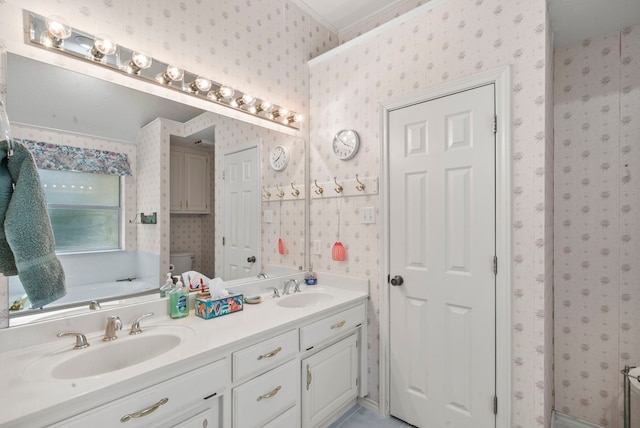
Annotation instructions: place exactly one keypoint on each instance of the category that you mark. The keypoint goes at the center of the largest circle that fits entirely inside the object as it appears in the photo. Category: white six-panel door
(242, 217)
(442, 244)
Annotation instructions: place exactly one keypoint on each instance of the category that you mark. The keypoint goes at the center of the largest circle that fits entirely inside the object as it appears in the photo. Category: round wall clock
(279, 158)
(346, 144)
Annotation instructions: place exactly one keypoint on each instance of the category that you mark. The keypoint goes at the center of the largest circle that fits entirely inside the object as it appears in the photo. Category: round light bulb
(104, 45)
(265, 106)
(248, 99)
(58, 27)
(226, 91)
(203, 84)
(296, 118)
(142, 60)
(174, 73)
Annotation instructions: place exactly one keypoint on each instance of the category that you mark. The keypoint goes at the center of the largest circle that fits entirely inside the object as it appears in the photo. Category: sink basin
(105, 357)
(114, 356)
(304, 300)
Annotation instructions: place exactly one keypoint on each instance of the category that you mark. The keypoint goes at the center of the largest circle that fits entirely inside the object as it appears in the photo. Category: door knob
(397, 280)
(251, 259)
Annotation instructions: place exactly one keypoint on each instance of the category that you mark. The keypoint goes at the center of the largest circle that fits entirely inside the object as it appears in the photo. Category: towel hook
(266, 193)
(360, 187)
(338, 187)
(295, 192)
(319, 189)
(280, 193)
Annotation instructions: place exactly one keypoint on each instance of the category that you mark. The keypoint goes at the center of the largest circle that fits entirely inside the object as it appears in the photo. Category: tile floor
(359, 417)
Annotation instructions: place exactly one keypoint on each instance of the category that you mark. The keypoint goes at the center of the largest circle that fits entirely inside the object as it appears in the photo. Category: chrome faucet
(81, 339)
(287, 284)
(135, 327)
(113, 325)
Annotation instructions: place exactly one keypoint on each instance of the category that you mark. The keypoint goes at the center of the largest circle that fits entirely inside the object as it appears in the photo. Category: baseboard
(369, 404)
(561, 420)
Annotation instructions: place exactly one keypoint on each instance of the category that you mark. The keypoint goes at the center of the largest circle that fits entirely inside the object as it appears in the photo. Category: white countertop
(28, 392)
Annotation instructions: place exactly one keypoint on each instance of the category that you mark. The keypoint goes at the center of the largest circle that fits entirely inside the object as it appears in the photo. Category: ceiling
(571, 20)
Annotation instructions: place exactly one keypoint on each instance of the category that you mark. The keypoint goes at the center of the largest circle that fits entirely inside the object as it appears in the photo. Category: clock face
(279, 158)
(346, 144)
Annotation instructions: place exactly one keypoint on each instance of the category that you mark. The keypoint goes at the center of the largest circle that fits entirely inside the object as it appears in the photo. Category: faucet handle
(296, 289)
(135, 327)
(276, 292)
(81, 339)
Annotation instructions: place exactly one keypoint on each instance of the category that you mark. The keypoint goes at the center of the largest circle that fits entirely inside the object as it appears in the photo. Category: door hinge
(495, 404)
(223, 240)
(495, 124)
(224, 172)
(357, 383)
(495, 265)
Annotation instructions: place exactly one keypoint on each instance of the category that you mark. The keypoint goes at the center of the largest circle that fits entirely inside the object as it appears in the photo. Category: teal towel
(27, 246)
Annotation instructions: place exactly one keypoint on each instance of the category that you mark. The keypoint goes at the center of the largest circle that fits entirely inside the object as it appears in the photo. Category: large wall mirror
(219, 202)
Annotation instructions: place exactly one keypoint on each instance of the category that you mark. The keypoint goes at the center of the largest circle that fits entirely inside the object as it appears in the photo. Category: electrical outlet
(367, 215)
(148, 218)
(268, 216)
(317, 246)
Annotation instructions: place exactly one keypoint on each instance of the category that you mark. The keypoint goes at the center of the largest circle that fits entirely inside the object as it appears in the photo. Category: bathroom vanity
(293, 361)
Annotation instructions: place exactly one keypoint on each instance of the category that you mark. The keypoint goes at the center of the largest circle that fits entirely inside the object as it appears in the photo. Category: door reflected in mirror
(266, 232)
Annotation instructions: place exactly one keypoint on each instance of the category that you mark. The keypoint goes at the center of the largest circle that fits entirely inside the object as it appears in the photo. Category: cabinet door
(329, 381)
(176, 188)
(196, 183)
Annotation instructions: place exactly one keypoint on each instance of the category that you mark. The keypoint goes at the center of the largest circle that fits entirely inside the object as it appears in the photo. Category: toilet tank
(181, 262)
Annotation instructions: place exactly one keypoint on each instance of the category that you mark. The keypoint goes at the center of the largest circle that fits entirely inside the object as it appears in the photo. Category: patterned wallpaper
(452, 40)
(597, 310)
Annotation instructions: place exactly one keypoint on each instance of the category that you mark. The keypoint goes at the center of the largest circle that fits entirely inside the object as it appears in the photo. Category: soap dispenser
(179, 301)
(166, 289)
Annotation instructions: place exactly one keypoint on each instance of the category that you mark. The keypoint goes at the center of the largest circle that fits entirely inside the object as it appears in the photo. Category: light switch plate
(317, 246)
(268, 216)
(367, 215)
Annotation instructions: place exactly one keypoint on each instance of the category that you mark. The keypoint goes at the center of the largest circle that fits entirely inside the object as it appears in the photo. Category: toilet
(180, 262)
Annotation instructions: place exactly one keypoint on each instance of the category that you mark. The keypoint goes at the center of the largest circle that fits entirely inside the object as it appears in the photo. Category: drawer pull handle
(340, 324)
(144, 412)
(308, 377)
(270, 394)
(270, 354)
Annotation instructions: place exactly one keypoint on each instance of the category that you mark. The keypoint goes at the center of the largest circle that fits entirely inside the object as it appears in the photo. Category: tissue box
(208, 308)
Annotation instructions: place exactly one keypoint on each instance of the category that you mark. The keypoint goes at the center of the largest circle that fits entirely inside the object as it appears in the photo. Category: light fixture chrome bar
(66, 40)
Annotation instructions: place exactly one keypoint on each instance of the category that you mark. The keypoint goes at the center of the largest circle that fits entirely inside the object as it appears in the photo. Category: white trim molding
(501, 78)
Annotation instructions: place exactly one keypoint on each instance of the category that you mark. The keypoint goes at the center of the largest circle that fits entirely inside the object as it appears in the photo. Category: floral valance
(69, 158)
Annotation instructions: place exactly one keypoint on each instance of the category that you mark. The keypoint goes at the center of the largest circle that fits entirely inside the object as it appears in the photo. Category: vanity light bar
(55, 35)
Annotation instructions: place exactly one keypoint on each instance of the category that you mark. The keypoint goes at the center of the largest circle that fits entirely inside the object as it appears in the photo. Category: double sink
(101, 358)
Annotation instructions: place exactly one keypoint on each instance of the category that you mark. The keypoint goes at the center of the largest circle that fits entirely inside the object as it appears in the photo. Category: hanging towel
(27, 246)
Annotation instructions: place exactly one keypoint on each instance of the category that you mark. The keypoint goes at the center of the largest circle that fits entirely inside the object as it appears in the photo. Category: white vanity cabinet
(190, 181)
(330, 381)
(270, 395)
(330, 367)
(184, 401)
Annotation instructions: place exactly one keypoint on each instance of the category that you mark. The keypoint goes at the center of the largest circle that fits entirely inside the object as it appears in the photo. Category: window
(85, 210)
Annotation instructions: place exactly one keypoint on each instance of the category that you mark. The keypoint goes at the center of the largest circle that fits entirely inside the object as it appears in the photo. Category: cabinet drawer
(171, 397)
(332, 326)
(262, 399)
(289, 419)
(265, 355)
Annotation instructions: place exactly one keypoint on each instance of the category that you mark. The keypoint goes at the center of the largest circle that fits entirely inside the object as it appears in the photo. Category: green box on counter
(208, 308)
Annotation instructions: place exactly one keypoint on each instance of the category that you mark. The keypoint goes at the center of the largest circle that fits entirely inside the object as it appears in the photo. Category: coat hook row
(350, 187)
